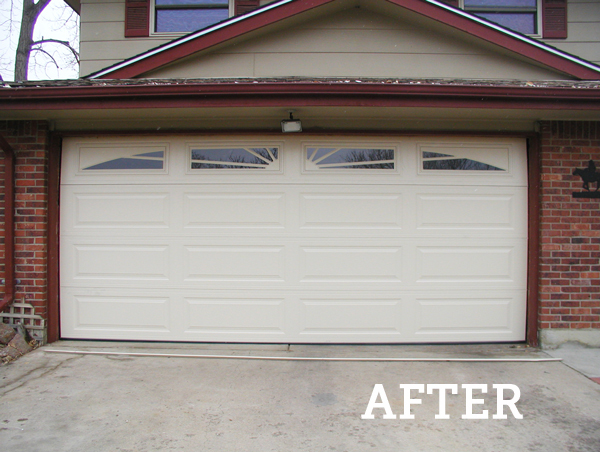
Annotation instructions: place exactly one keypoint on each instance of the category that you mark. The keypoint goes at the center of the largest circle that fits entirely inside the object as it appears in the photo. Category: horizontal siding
(583, 11)
(101, 31)
(357, 43)
(102, 36)
(352, 65)
(111, 50)
(583, 30)
(102, 11)
(314, 40)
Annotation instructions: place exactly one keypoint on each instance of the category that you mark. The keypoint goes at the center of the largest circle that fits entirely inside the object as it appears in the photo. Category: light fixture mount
(291, 125)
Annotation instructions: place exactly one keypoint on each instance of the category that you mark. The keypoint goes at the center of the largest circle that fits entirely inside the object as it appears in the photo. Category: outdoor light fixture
(291, 125)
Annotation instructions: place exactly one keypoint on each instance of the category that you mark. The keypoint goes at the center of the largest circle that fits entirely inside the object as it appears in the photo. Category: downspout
(9, 224)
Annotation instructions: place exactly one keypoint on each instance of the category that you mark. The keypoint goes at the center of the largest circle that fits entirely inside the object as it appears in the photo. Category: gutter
(274, 94)
(9, 224)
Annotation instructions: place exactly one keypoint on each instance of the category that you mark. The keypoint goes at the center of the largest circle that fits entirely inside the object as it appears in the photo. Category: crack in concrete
(36, 377)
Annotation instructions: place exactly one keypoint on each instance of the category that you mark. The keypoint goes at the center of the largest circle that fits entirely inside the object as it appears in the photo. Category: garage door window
(467, 159)
(261, 158)
(318, 158)
(122, 158)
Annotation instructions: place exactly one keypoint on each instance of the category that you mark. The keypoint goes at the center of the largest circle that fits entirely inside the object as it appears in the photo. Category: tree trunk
(31, 12)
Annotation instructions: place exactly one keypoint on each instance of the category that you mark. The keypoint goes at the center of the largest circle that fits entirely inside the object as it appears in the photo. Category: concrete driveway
(111, 402)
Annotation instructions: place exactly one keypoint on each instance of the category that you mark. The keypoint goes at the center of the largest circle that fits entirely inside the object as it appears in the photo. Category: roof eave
(297, 94)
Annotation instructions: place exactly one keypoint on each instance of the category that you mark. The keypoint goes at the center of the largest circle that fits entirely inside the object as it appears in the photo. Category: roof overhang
(123, 94)
(93, 103)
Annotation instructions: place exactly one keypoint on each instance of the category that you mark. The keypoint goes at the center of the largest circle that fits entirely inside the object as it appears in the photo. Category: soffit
(314, 119)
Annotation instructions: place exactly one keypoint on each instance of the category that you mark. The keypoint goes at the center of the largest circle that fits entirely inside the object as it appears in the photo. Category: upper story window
(518, 15)
(181, 16)
(143, 17)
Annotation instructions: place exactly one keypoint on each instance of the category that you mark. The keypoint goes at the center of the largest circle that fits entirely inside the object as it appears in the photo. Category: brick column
(569, 235)
(29, 139)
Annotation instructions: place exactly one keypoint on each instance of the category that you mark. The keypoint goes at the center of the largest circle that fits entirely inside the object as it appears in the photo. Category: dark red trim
(533, 236)
(9, 224)
(297, 95)
(54, 154)
(429, 10)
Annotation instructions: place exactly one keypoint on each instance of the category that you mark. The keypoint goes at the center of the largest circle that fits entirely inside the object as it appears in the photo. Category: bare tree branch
(57, 41)
(39, 49)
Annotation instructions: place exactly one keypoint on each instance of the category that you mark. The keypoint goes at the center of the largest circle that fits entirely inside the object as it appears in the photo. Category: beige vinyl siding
(353, 42)
(102, 36)
(358, 43)
(583, 30)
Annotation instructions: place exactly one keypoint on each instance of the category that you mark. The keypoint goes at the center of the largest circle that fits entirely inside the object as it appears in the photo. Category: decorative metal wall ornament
(589, 176)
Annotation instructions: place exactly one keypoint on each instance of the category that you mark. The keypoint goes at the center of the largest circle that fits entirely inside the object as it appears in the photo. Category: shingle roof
(578, 84)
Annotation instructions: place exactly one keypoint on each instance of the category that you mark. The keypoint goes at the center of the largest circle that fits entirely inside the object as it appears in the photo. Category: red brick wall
(29, 139)
(569, 228)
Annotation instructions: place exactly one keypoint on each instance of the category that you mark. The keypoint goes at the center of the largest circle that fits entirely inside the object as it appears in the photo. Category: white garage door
(294, 239)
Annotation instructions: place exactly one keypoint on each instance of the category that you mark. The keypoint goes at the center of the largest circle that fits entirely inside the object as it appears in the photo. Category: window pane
(429, 155)
(458, 164)
(146, 160)
(157, 154)
(501, 3)
(178, 20)
(521, 22)
(235, 158)
(126, 164)
(349, 158)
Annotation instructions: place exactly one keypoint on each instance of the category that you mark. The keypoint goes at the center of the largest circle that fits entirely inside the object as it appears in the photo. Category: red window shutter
(451, 2)
(554, 18)
(137, 18)
(243, 6)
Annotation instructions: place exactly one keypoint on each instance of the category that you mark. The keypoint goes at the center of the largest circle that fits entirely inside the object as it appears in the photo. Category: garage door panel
(119, 262)
(234, 263)
(470, 314)
(214, 316)
(235, 210)
(340, 314)
(466, 264)
(104, 210)
(351, 264)
(455, 213)
(355, 211)
(114, 316)
(121, 210)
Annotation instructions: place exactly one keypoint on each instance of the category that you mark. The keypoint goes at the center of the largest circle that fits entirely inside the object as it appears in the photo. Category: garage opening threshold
(283, 352)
